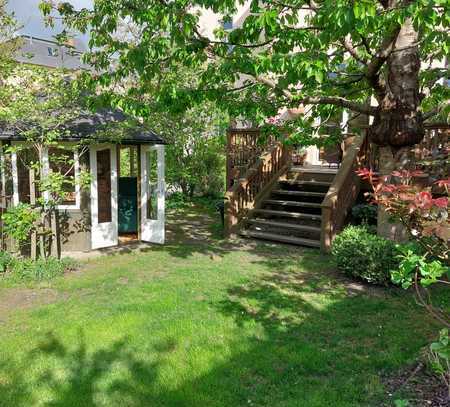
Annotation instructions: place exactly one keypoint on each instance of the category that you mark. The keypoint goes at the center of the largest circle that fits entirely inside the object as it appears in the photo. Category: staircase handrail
(243, 196)
(343, 191)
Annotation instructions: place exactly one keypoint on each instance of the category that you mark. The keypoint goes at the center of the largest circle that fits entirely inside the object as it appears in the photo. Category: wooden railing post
(249, 190)
(228, 157)
(342, 193)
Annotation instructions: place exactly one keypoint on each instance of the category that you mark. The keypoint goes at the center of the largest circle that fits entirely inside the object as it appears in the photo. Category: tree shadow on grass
(195, 231)
(298, 337)
(313, 349)
(14, 391)
(75, 377)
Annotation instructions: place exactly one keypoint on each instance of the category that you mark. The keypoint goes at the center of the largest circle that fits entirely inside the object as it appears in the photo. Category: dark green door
(128, 205)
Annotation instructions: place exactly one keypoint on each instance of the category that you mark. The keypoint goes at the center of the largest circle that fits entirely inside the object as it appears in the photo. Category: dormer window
(52, 52)
(227, 25)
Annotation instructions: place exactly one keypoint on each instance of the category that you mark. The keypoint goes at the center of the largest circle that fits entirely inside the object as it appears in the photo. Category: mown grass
(208, 324)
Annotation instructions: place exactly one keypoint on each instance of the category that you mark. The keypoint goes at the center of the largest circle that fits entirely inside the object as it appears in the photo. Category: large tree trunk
(399, 122)
(385, 227)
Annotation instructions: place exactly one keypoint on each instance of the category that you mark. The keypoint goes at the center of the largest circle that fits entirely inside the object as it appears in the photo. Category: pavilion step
(305, 183)
(306, 170)
(284, 225)
(299, 193)
(285, 214)
(292, 203)
(281, 238)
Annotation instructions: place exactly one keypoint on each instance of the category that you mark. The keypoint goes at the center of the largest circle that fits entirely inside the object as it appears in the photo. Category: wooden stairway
(276, 201)
(292, 213)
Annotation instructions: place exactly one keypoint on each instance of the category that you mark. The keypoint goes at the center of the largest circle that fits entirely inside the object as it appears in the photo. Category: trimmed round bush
(361, 254)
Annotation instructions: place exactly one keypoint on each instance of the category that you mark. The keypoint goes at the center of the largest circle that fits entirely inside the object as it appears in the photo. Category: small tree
(195, 153)
(426, 261)
(37, 103)
(9, 42)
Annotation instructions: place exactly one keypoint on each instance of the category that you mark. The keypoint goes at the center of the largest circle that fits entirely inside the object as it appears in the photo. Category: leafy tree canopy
(324, 54)
(195, 151)
(9, 42)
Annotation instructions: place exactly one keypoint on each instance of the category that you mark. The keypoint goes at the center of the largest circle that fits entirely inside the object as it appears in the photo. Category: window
(227, 25)
(104, 186)
(25, 159)
(65, 162)
(128, 161)
(52, 52)
(152, 184)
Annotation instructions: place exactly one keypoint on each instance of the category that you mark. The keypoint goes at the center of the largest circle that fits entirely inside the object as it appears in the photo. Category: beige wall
(209, 20)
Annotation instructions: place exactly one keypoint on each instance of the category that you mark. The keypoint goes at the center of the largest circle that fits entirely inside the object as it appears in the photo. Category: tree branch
(293, 7)
(433, 112)
(347, 44)
(341, 102)
(271, 84)
(320, 100)
(206, 40)
(374, 66)
(230, 90)
(382, 53)
(366, 45)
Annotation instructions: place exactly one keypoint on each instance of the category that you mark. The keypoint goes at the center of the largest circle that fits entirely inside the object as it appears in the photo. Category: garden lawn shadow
(260, 325)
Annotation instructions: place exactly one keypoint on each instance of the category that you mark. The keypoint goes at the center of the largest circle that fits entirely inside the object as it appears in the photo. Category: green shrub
(176, 200)
(40, 269)
(361, 254)
(19, 221)
(365, 214)
(5, 261)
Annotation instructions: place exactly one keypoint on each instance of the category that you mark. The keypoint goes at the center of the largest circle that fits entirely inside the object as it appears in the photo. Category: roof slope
(90, 126)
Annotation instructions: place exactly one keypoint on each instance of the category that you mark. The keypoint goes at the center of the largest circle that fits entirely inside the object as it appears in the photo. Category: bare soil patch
(419, 386)
(13, 299)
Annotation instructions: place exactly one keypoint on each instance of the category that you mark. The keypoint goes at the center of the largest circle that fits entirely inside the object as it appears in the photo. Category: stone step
(284, 225)
(281, 238)
(299, 193)
(286, 214)
(292, 203)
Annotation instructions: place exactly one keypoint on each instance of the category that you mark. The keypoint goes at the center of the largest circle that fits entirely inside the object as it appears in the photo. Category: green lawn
(204, 323)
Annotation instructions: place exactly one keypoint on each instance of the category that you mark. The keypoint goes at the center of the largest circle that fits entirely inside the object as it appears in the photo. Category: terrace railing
(435, 143)
(244, 147)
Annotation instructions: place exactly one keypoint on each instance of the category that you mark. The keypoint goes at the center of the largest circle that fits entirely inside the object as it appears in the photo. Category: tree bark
(399, 122)
(385, 227)
(55, 236)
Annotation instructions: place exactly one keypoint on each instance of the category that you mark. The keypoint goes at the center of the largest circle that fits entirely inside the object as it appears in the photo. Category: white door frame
(15, 171)
(104, 234)
(15, 177)
(153, 230)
